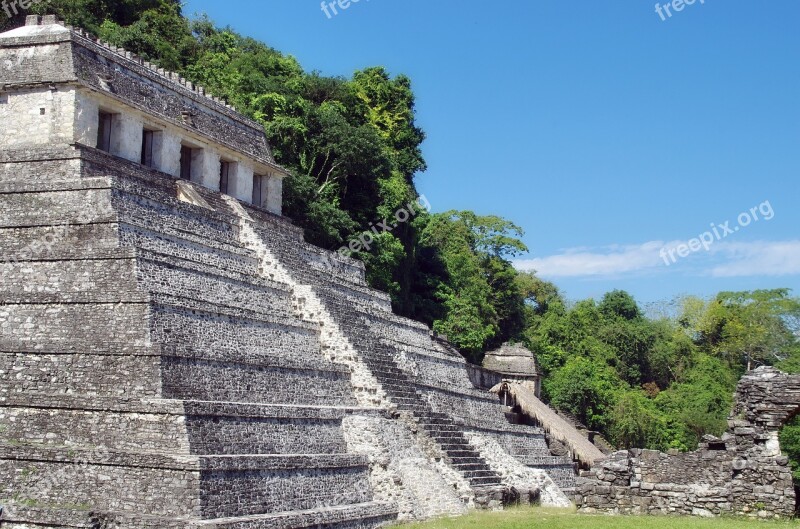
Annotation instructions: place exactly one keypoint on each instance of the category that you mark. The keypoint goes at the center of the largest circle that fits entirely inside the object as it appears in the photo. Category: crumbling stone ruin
(742, 473)
(174, 355)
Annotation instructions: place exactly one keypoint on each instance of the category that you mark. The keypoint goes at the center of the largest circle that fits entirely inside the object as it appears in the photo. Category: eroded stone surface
(742, 473)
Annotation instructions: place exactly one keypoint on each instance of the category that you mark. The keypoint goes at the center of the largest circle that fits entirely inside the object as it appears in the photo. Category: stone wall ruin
(741, 473)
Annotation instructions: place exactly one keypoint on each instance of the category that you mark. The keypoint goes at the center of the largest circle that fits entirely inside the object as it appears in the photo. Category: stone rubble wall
(546, 491)
(742, 473)
(401, 472)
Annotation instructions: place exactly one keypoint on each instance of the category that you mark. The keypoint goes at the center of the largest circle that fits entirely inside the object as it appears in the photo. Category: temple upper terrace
(60, 86)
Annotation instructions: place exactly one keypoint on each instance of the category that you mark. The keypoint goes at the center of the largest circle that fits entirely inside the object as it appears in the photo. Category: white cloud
(605, 261)
(725, 259)
(780, 258)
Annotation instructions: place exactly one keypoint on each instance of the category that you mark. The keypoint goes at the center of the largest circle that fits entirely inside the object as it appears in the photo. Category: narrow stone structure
(174, 355)
(511, 363)
(742, 473)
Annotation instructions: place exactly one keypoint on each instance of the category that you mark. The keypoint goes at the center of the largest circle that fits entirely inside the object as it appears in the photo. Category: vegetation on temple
(353, 147)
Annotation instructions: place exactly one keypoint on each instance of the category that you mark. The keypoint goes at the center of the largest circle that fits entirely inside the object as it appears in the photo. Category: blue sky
(604, 131)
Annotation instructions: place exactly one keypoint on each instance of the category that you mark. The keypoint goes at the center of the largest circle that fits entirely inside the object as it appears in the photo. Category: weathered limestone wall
(149, 373)
(37, 116)
(519, 475)
(742, 473)
(402, 472)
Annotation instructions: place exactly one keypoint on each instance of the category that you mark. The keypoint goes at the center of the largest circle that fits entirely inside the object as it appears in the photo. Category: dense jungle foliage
(353, 147)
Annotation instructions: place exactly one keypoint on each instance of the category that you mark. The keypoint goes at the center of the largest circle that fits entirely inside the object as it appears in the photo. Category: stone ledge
(330, 517)
(246, 463)
(424, 353)
(91, 254)
(113, 349)
(317, 365)
(91, 403)
(144, 238)
(516, 429)
(29, 400)
(84, 297)
(184, 304)
(133, 198)
(357, 289)
(382, 317)
(234, 463)
(199, 267)
(232, 409)
(48, 186)
(477, 394)
(63, 252)
(81, 455)
(39, 154)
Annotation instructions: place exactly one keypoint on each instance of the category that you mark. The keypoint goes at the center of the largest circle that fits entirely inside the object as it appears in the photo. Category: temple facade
(60, 87)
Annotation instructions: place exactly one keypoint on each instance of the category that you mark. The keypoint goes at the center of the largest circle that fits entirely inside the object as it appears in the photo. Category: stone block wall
(742, 473)
(37, 116)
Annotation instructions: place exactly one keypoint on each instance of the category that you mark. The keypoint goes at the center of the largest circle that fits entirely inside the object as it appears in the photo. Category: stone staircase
(331, 290)
(439, 426)
(318, 306)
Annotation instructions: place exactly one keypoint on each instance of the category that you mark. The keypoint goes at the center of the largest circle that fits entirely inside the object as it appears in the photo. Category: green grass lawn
(565, 519)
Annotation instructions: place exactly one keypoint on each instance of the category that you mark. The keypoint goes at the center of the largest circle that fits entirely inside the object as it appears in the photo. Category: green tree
(480, 296)
(636, 422)
(620, 304)
(700, 402)
(587, 389)
(747, 328)
(790, 445)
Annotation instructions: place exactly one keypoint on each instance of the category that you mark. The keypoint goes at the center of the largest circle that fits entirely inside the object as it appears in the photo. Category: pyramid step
(471, 460)
(439, 427)
(477, 482)
(451, 438)
(463, 452)
(478, 474)
(467, 467)
(372, 514)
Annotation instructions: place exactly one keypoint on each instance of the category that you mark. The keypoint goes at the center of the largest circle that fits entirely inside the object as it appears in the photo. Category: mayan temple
(175, 355)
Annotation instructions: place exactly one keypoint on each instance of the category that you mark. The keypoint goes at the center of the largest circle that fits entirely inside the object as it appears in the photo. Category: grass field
(565, 519)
